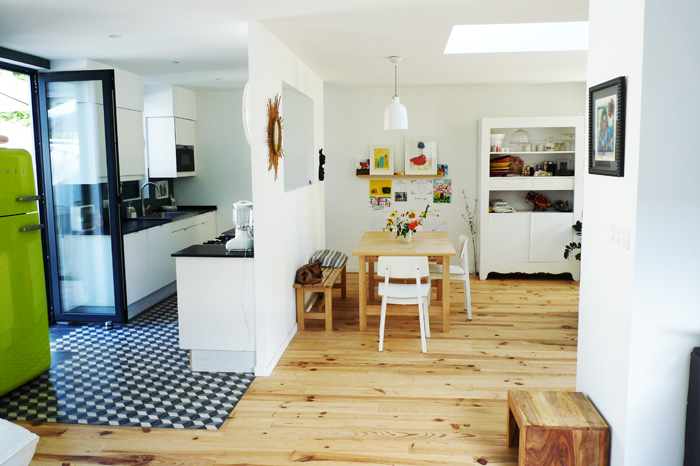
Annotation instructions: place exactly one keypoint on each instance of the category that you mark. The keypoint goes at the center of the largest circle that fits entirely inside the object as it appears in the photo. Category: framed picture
(421, 156)
(606, 128)
(381, 160)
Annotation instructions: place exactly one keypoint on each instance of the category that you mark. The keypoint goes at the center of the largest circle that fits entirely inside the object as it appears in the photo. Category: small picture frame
(362, 167)
(381, 160)
(606, 128)
(421, 156)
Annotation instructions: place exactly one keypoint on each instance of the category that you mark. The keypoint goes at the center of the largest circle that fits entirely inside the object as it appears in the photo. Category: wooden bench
(556, 428)
(323, 308)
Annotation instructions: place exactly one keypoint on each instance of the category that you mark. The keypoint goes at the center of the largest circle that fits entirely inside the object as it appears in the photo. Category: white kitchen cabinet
(136, 266)
(184, 132)
(162, 135)
(148, 260)
(132, 157)
(161, 265)
(528, 241)
(128, 90)
(170, 101)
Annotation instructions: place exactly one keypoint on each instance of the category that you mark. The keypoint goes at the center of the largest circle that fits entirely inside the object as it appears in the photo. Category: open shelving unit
(528, 241)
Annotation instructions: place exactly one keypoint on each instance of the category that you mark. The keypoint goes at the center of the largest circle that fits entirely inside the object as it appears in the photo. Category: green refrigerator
(24, 324)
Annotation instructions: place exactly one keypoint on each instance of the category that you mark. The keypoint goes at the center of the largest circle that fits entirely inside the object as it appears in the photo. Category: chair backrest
(402, 266)
(464, 253)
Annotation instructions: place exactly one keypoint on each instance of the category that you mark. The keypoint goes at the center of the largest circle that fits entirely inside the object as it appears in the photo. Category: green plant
(571, 247)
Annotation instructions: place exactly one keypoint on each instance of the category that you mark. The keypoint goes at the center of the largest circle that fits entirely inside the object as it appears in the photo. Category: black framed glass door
(78, 128)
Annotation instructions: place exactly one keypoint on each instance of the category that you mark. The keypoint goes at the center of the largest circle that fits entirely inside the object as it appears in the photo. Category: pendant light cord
(396, 67)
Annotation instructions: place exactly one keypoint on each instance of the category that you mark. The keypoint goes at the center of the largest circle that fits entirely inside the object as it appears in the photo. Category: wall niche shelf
(528, 241)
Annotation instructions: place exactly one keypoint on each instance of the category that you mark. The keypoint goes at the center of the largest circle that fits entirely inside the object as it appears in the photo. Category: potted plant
(573, 246)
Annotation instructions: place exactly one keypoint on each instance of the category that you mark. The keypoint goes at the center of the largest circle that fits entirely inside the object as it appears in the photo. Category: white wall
(289, 226)
(223, 157)
(354, 121)
(638, 318)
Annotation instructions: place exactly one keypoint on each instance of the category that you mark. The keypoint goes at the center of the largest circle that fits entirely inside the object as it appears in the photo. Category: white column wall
(289, 226)
(666, 294)
(615, 38)
(638, 318)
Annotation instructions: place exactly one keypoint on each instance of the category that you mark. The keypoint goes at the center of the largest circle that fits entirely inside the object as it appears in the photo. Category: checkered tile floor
(132, 375)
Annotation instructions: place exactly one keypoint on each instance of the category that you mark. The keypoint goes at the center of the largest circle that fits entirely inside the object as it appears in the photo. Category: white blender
(243, 221)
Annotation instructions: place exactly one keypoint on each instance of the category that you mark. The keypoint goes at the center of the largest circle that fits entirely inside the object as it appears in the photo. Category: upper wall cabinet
(167, 158)
(170, 101)
(170, 124)
(128, 90)
(129, 100)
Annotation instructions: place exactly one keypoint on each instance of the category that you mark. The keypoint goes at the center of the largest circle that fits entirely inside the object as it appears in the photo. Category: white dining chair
(457, 273)
(405, 267)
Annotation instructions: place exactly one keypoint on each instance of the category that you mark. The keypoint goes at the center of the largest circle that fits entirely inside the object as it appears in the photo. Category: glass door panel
(84, 237)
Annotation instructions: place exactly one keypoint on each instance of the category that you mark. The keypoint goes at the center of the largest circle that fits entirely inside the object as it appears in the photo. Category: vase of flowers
(405, 224)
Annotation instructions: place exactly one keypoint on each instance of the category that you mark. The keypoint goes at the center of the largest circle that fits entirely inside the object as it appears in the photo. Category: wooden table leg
(446, 294)
(372, 281)
(363, 292)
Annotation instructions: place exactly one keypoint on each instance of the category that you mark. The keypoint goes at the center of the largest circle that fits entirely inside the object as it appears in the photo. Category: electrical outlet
(162, 192)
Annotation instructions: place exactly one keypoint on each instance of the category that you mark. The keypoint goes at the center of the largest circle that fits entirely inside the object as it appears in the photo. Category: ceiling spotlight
(114, 36)
(176, 62)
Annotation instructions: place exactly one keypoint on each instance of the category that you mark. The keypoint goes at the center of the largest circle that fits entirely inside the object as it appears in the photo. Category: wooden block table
(556, 429)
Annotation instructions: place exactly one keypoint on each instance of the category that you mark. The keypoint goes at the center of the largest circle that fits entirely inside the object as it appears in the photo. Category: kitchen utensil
(243, 222)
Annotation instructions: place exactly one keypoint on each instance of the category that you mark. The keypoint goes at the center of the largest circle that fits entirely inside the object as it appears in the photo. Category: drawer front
(553, 182)
(509, 183)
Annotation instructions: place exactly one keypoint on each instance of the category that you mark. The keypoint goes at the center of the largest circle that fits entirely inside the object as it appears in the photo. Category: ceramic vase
(408, 237)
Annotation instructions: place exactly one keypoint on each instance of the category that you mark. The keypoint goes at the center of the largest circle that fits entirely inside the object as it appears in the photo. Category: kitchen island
(216, 307)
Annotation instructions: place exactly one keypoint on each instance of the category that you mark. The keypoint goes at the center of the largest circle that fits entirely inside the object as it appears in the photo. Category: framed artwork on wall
(381, 160)
(421, 156)
(606, 128)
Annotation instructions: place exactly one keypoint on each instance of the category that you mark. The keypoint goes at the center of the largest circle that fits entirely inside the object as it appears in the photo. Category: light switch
(620, 236)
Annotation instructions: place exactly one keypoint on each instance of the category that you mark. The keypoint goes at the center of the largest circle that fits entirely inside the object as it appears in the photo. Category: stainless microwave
(184, 158)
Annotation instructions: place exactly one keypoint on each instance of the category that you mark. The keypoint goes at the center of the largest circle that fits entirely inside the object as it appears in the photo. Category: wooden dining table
(434, 244)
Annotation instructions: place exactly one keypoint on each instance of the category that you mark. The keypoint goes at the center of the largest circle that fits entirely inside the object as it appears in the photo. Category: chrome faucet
(144, 209)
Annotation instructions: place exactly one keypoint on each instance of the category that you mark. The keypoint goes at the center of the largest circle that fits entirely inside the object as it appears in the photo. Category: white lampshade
(395, 115)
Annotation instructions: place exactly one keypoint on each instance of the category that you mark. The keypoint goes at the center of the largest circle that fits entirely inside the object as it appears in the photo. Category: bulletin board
(406, 195)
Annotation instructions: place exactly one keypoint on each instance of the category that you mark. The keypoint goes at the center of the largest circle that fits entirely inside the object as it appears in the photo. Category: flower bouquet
(405, 224)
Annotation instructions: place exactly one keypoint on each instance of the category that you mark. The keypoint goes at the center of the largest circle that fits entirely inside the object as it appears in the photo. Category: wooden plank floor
(335, 399)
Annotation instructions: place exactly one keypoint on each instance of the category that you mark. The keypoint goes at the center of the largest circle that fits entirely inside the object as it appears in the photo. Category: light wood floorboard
(334, 399)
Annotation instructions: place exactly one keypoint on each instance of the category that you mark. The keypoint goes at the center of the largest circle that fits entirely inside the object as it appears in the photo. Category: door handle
(33, 228)
(29, 198)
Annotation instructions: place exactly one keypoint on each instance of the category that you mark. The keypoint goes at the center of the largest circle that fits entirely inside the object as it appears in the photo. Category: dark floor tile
(132, 375)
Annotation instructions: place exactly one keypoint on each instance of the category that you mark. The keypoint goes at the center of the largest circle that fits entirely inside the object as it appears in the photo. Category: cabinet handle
(33, 228)
(29, 198)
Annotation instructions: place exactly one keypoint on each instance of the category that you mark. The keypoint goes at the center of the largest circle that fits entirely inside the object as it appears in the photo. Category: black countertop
(130, 225)
(211, 250)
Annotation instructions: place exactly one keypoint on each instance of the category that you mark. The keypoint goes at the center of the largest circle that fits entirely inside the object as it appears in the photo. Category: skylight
(521, 37)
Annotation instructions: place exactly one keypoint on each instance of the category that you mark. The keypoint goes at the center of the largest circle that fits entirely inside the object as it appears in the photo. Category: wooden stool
(556, 428)
(324, 308)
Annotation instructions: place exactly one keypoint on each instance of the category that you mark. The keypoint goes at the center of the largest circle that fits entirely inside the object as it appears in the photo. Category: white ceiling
(345, 43)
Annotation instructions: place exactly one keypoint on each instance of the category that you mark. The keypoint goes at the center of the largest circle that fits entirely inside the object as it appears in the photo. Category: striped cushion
(329, 258)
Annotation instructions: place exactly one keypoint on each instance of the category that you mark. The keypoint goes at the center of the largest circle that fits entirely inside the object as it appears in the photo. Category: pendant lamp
(395, 115)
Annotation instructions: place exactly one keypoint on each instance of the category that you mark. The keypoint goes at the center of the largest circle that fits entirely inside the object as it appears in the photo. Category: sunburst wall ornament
(274, 133)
